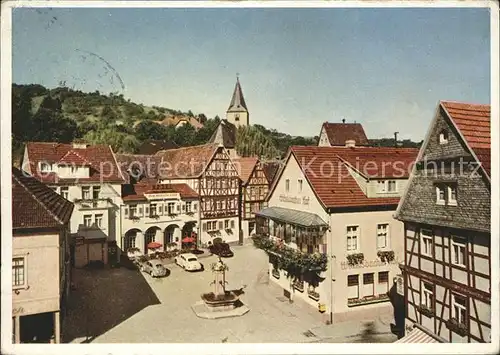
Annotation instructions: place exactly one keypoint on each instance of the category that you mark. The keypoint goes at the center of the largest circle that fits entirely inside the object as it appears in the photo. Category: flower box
(313, 295)
(298, 285)
(155, 216)
(386, 256)
(134, 218)
(367, 300)
(426, 311)
(355, 259)
(276, 274)
(455, 326)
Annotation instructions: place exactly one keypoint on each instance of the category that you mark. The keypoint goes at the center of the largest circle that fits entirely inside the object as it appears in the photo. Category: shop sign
(295, 200)
(163, 196)
(372, 263)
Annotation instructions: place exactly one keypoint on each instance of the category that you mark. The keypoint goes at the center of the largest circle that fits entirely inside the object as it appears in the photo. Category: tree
(150, 130)
(202, 118)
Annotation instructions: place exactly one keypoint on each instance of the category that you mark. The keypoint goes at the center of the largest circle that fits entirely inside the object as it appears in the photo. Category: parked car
(221, 249)
(188, 262)
(154, 267)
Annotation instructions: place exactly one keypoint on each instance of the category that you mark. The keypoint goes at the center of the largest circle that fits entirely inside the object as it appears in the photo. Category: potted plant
(459, 328)
(154, 216)
(275, 273)
(298, 285)
(134, 218)
(426, 311)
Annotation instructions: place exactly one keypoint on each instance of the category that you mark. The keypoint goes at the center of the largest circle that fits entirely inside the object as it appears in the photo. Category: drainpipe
(332, 261)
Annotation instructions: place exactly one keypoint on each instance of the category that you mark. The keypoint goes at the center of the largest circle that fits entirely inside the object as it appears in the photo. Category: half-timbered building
(254, 189)
(335, 205)
(208, 170)
(446, 215)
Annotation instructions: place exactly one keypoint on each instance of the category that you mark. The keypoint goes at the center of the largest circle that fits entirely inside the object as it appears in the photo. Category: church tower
(237, 113)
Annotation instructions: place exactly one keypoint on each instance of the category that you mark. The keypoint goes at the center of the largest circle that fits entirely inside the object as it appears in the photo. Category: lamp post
(332, 280)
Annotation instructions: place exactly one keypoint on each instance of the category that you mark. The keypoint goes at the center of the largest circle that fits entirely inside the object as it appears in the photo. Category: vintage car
(221, 249)
(188, 262)
(153, 267)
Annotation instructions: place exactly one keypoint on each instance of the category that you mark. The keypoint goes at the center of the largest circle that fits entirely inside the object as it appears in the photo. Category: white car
(188, 262)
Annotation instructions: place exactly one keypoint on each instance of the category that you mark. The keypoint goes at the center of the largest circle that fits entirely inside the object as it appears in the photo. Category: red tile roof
(35, 205)
(187, 162)
(474, 123)
(100, 158)
(339, 133)
(245, 167)
(326, 170)
(136, 192)
(144, 168)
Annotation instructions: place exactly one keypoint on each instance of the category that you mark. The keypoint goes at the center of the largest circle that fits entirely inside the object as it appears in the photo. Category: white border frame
(6, 193)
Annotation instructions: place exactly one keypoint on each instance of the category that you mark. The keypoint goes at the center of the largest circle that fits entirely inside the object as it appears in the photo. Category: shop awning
(287, 215)
(417, 335)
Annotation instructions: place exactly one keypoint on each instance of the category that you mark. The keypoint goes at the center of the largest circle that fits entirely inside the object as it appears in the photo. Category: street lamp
(333, 262)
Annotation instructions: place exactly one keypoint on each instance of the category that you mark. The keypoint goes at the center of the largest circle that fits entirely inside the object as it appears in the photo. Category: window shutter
(183, 207)
(195, 206)
(160, 209)
(220, 225)
(146, 210)
(140, 210)
(126, 211)
(232, 223)
(204, 226)
(178, 208)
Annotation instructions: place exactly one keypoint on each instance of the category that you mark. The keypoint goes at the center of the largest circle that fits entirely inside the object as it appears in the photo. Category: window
(300, 185)
(368, 284)
(446, 194)
(171, 208)
(96, 190)
(65, 192)
(87, 220)
(459, 309)
(426, 240)
(352, 238)
(129, 242)
(382, 235)
(452, 194)
(221, 224)
(18, 272)
(98, 220)
(133, 211)
(73, 169)
(386, 186)
(152, 209)
(188, 207)
(195, 206)
(287, 185)
(427, 295)
(226, 224)
(86, 192)
(45, 167)
(383, 282)
(443, 137)
(353, 287)
(232, 224)
(458, 251)
(210, 226)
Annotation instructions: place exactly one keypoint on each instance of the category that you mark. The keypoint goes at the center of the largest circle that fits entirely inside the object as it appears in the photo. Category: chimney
(396, 139)
(343, 120)
(351, 143)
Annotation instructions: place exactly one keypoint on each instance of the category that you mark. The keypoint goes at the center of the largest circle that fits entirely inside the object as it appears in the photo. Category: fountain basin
(213, 307)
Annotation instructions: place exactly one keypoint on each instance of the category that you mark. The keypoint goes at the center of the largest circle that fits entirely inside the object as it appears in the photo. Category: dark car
(221, 249)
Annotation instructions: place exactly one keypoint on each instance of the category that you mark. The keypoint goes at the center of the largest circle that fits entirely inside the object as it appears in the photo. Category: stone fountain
(219, 303)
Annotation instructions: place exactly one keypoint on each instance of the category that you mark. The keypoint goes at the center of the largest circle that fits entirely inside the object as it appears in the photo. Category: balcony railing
(93, 202)
(290, 259)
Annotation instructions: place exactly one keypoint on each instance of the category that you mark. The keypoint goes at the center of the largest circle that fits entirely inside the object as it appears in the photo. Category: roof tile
(339, 133)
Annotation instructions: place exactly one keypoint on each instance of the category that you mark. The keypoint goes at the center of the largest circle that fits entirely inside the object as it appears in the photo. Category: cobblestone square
(121, 305)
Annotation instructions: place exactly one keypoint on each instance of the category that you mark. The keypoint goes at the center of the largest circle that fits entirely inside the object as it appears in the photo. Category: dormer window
(45, 167)
(443, 137)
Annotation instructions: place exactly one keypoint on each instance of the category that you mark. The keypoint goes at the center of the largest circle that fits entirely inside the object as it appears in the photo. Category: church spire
(238, 101)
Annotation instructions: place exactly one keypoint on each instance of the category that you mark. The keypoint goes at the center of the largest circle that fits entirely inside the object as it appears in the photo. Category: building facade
(89, 176)
(328, 204)
(40, 261)
(254, 190)
(446, 215)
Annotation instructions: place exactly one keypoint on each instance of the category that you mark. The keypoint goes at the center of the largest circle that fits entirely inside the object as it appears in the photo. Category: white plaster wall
(323, 139)
(42, 271)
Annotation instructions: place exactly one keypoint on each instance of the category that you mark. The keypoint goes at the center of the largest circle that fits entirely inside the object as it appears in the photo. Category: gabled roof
(326, 170)
(237, 101)
(224, 134)
(186, 162)
(100, 158)
(151, 146)
(473, 121)
(245, 167)
(270, 169)
(302, 218)
(339, 133)
(174, 121)
(142, 167)
(35, 205)
(136, 192)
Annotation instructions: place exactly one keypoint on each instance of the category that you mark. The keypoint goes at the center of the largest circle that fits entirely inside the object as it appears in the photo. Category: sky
(298, 67)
